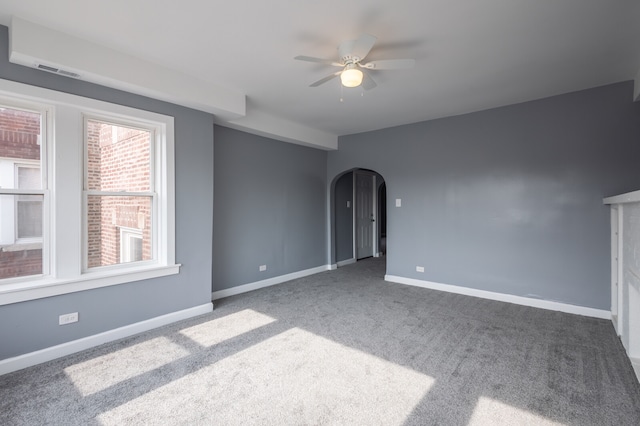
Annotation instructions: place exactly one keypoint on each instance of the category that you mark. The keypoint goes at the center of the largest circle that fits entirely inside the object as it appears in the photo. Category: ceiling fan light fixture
(351, 77)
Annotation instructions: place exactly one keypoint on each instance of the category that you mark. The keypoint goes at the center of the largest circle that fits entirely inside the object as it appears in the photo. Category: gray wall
(510, 199)
(344, 217)
(270, 208)
(33, 325)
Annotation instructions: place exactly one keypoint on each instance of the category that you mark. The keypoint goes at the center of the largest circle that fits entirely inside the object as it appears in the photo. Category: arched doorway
(359, 216)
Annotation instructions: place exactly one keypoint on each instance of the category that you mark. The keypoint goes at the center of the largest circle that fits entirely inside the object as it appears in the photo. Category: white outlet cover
(419, 268)
(262, 268)
(68, 318)
(398, 202)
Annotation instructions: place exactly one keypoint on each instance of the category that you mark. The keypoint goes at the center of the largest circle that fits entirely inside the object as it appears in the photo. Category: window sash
(154, 141)
(23, 195)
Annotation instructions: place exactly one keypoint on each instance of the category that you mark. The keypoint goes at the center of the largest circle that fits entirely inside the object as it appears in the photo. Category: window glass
(118, 158)
(28, 207)
(119, 226)
(21, 213)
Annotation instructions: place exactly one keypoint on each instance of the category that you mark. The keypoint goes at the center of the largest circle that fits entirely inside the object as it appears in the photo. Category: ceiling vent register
(57, 71)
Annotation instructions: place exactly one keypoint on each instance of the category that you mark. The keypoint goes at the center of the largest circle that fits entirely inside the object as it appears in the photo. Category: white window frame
(63, 247)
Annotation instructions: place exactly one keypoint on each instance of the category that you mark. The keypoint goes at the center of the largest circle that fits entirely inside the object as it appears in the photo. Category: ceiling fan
(354, 71)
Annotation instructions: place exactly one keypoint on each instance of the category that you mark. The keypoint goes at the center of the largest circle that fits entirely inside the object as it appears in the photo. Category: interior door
(365, 217)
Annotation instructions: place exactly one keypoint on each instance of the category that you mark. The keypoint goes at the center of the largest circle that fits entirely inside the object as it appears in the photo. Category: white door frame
(374, 209)
(617, 308)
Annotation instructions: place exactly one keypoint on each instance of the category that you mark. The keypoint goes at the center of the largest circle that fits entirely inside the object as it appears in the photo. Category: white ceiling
(471, 55)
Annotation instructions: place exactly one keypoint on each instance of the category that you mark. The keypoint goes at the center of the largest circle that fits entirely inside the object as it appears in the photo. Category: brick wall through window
(118, 160)
(19, 143)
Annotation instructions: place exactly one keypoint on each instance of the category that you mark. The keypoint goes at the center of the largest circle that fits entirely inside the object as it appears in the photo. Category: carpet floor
(342, 347)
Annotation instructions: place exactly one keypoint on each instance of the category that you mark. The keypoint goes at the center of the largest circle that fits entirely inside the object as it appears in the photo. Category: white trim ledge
(501, 297)
(629, 197)
(33, 358)
(22, 291)
(220, 294)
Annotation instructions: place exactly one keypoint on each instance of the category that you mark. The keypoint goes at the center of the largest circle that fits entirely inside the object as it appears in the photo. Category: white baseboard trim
(346, 262)
(501, 297)
(268, 282)
(635, 363)
(33, 358)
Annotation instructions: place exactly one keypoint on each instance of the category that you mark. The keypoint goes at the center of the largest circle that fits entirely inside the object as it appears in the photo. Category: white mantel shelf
(629, 197)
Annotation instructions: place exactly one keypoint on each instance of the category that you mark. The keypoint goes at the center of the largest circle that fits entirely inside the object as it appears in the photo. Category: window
(98, 211)
(22, 189)
(120, 193)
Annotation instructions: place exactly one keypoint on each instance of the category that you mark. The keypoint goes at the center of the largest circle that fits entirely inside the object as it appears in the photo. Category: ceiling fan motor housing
(345, 50)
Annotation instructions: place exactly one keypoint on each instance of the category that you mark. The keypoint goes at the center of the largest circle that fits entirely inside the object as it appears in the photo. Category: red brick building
(119, 227)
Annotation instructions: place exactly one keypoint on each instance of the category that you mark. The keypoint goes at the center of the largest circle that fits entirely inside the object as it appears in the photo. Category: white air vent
(57, 71)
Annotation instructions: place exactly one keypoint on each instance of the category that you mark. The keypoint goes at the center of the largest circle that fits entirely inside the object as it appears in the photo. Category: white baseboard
(501, 297)
(635, 362)
(346, 262)
(27, 360)
(268, 282)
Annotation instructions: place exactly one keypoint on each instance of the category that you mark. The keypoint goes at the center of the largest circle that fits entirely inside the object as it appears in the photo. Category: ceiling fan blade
(363, 45)
(367, 82)
(324, 80)
(318, 60)
(390, 64)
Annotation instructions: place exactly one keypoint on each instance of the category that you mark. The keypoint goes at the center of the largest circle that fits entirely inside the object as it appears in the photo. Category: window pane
(19, 144)
(118, 158)
(29, 216)
(110, 219)
(20, 236)
(28, 207)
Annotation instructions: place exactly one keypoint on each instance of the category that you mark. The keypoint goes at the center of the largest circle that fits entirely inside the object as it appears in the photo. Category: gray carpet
(342, 347)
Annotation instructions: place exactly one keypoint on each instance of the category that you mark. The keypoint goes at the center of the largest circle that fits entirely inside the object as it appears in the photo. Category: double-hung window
(86, 193)
(22, 188)
(120, 195)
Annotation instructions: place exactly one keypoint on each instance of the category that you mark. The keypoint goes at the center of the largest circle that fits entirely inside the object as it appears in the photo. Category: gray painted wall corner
(270, 208)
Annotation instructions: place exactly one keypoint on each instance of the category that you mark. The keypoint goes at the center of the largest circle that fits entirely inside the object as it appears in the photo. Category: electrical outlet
(419, 268)
(68, 318)
(262, 268)
(398, 202)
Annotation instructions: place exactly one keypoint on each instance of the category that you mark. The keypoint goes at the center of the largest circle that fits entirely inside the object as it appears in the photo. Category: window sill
(40, 287)
(21, 247)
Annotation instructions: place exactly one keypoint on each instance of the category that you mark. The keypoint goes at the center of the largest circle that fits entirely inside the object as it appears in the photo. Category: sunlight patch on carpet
(488, 411)
(220, 329)
(110, 369)
(293, 377)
